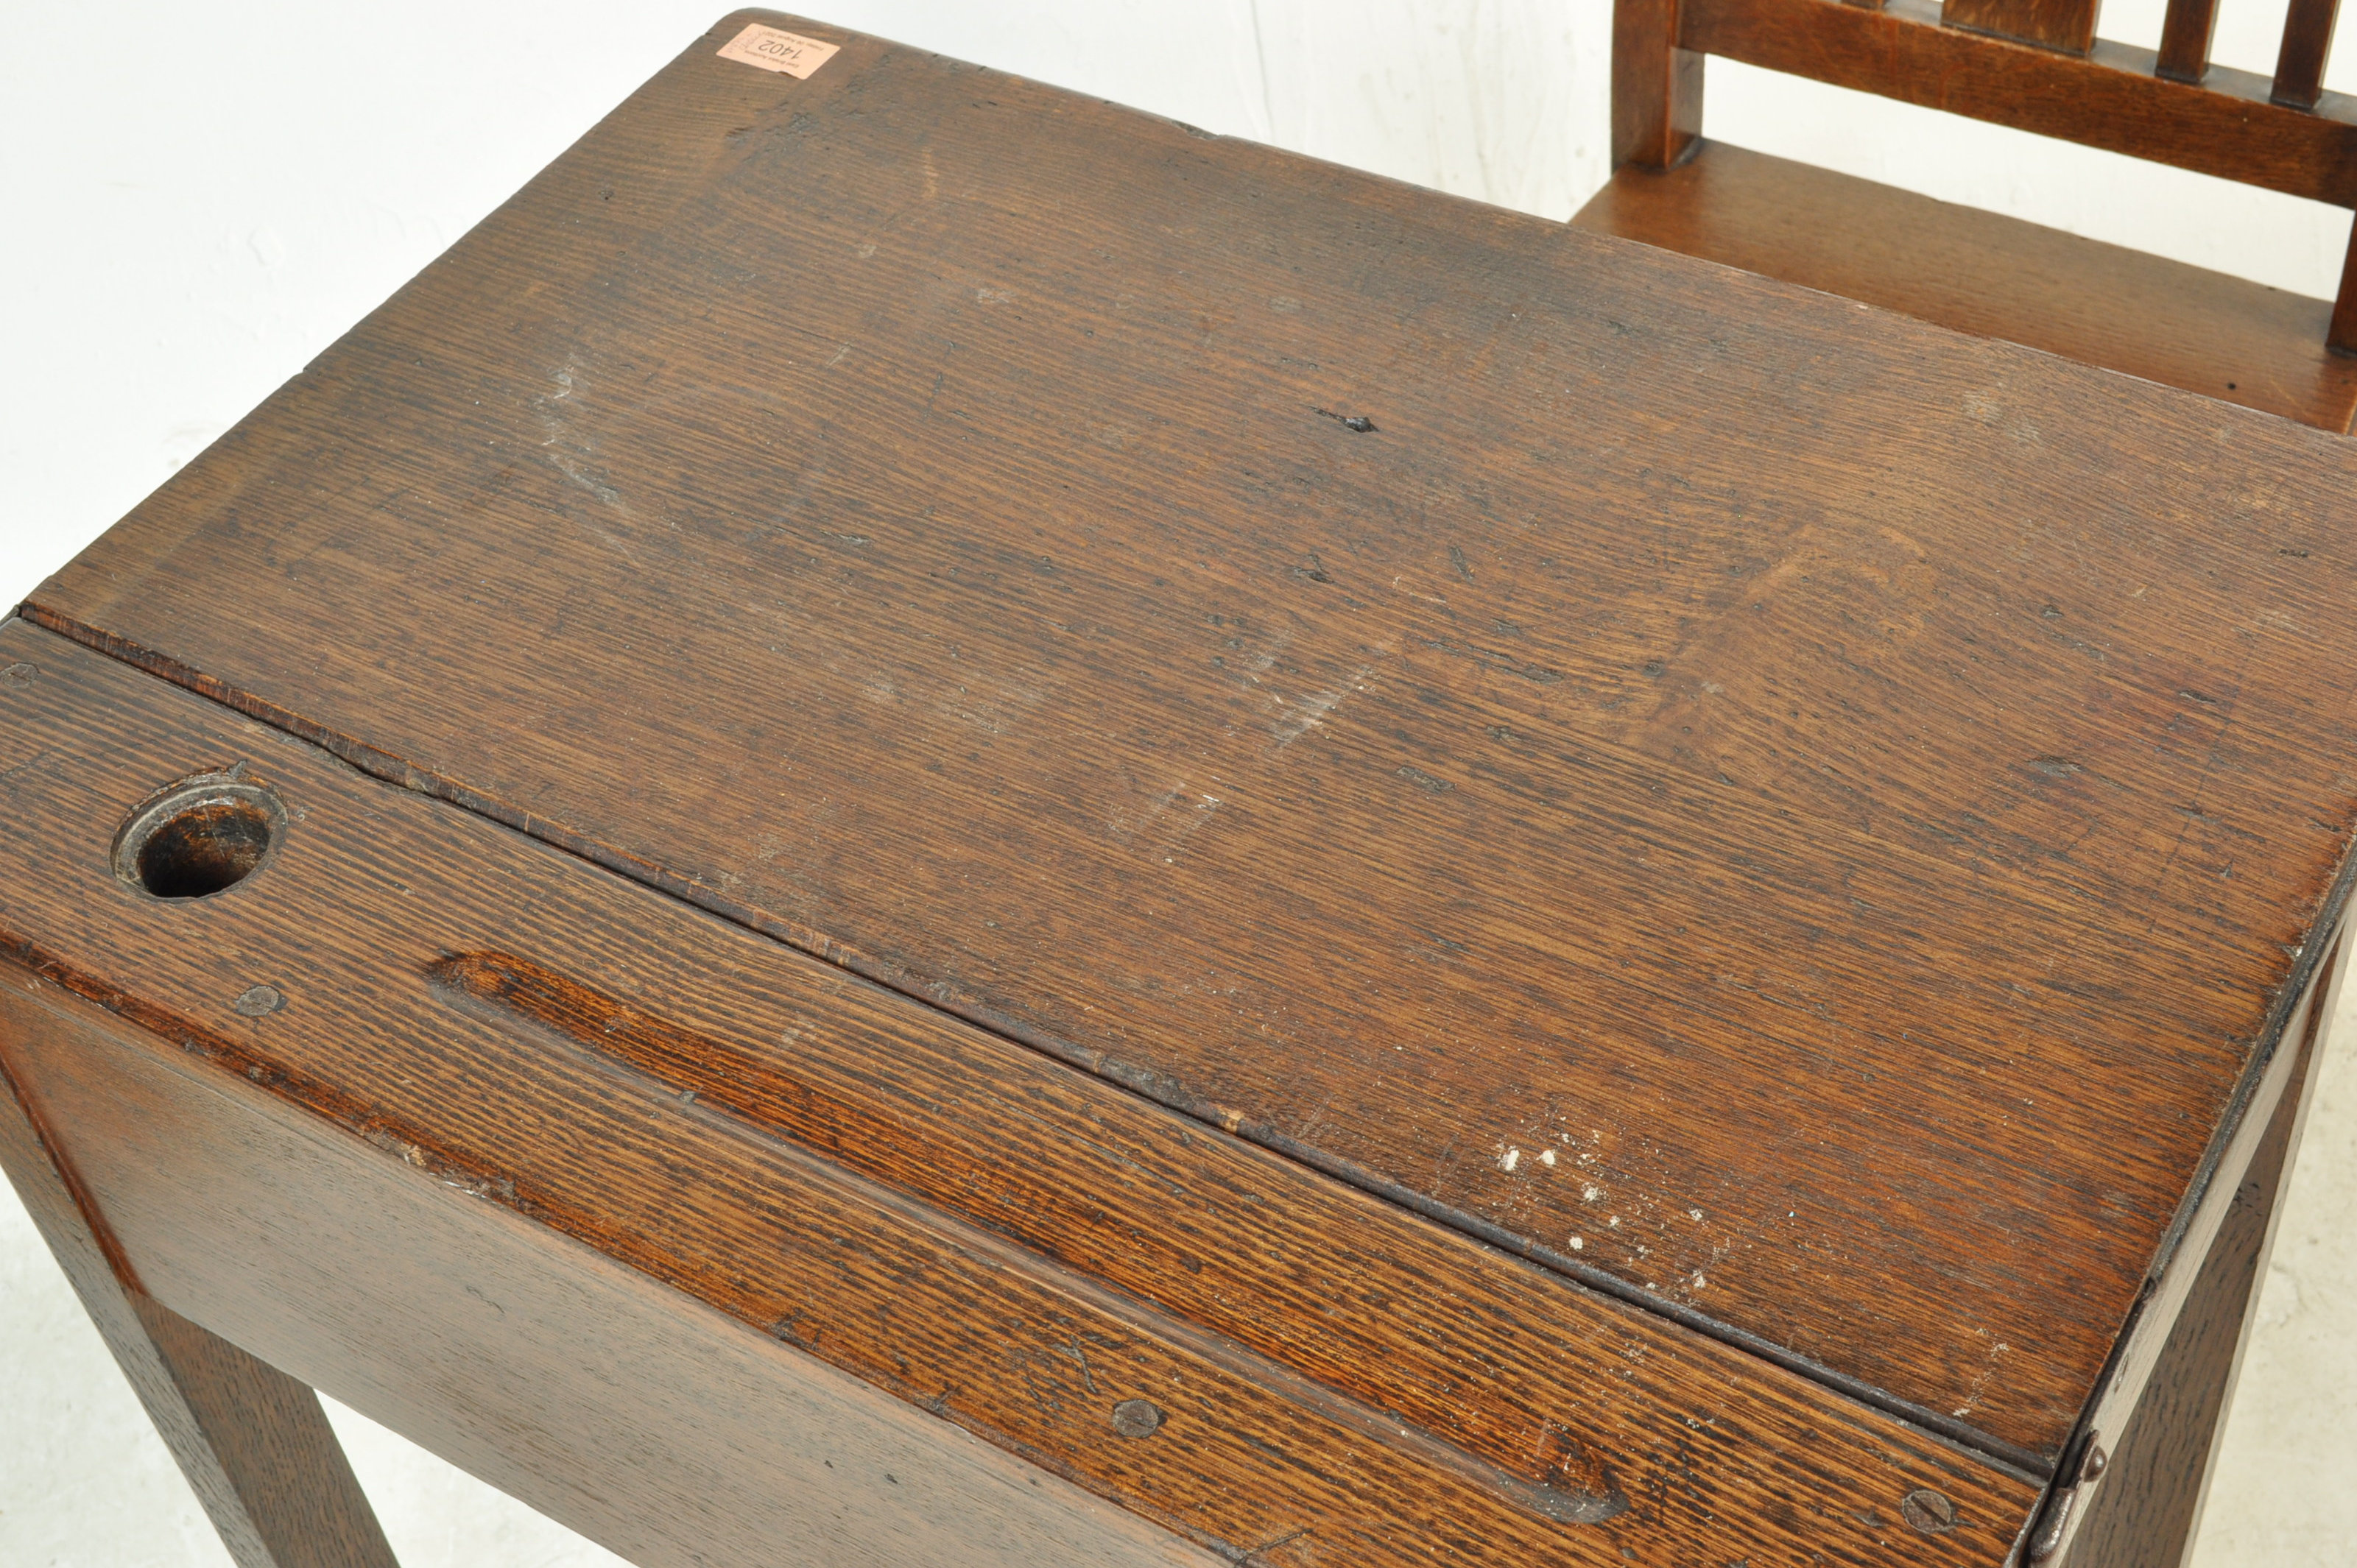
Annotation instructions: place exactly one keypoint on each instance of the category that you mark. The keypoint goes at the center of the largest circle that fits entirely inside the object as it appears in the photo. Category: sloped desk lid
(1793, 811)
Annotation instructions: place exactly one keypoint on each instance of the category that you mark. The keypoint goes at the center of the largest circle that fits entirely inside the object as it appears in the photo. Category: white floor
(200, 198)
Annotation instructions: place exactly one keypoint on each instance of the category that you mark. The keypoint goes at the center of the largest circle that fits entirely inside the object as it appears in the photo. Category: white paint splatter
(1512, 1157)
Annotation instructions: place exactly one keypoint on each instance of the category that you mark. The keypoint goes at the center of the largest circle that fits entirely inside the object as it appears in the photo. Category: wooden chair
(2036, 65)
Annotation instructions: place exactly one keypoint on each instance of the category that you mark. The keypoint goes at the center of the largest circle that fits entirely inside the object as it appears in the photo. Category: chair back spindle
(2185, 35)
(2307, 39)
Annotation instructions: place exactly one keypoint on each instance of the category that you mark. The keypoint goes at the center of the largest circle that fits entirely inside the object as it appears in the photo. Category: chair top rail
(2114, 97)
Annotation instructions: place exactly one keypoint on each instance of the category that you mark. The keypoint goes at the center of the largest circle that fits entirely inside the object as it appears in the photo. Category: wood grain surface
(2186, 30)
(1996, 276)
(1007, 1244)
(2343, 335)
(668, 1432)
(254, 1444)
(2146, 1499)
(1423, 688)
(1656, 86)
(2065, 25)
(2307, 41)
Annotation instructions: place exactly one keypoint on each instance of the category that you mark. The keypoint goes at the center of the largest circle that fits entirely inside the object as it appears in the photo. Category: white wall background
(196, 200)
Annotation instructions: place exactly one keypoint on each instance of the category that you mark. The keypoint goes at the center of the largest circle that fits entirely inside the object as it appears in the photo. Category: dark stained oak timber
(912, 1200)
(1656, 86)
(2034, 65)
(253, 1442)
(1414, 686)
(2186, 30)
(2342, 335)
(1366, 879)
(2142, 1510)
(2065, 25)
(2109, 98)
(1992, 275)
(2169, 1332)
(664, 1430)
(2307, 41)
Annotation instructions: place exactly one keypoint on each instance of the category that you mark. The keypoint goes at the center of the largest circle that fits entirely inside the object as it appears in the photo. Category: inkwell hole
(199, 837)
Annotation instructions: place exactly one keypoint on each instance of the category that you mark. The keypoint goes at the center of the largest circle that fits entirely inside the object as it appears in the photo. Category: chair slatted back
(2035, 65)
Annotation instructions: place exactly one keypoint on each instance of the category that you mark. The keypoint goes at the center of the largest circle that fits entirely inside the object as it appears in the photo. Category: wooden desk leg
(253, 1442)
(2143, 1511)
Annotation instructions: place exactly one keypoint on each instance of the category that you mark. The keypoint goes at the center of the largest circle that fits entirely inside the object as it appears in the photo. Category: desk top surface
(1752, 801)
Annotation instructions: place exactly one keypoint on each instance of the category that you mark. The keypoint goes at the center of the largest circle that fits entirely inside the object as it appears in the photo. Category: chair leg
(1656, 86)
(2343, 334)
(252, 1441)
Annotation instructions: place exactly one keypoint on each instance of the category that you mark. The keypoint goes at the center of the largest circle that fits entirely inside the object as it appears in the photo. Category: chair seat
(1991, 275)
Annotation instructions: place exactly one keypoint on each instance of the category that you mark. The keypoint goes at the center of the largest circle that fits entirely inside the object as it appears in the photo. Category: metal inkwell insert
(200, 837)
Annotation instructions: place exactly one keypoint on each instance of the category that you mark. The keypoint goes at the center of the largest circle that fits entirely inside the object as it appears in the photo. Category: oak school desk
(926, 823)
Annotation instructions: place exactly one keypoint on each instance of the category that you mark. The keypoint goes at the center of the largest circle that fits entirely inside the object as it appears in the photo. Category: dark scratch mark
(1490, 658)
(1358, 421)
(2193, 812)
(1423, 781)
(1043, 1399)
(1080, 1355)
(1271, 1545)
